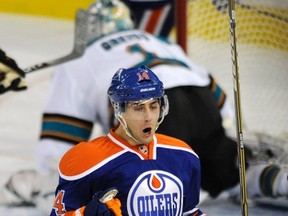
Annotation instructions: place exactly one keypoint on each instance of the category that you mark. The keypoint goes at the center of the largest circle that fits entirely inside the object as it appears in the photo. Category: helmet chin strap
(124, 124)
(119, 117)
(159, 122)
(122, 121)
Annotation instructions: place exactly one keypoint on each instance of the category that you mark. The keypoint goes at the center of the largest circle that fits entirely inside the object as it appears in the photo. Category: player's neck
(120, 131)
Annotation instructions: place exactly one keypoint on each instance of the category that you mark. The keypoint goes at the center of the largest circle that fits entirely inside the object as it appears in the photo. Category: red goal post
(181, 23)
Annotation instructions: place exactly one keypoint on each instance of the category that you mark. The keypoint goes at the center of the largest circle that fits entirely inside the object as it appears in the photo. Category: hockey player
(77, 101)
(154, 173)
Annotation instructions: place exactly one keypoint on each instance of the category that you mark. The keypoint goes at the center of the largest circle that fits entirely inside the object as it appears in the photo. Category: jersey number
(59, 205)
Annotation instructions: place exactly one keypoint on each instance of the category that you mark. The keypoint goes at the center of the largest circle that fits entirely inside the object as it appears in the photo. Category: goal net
(262, 46)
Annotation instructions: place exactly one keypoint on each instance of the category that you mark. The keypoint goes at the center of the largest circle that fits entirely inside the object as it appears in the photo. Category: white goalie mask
(108, 16)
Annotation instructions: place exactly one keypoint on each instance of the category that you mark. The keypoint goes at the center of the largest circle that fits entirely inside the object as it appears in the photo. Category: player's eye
(138, 108)
(154, 105)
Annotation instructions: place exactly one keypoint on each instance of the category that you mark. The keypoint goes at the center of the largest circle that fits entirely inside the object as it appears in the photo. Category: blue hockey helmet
(135, 84)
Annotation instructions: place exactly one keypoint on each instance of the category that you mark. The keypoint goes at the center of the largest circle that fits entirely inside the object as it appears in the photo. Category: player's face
(141, 118)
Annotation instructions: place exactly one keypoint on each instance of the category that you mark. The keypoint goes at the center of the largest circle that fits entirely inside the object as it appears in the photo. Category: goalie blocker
(11, 76)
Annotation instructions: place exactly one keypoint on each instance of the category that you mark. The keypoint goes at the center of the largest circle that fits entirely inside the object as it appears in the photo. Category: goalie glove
(10, 74)
(104, 204)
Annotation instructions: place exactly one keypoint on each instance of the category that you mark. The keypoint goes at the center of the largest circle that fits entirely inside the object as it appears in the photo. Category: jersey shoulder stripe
(85, 157)
(165, 141)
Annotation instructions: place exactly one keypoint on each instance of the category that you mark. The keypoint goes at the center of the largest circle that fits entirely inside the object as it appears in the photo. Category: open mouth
(147, 130)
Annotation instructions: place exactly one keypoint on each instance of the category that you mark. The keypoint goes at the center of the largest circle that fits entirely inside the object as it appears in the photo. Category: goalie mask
(108, 16)
(136, 86)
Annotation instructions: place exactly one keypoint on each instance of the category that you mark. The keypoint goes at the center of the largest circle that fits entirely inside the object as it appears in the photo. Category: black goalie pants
(195, 118)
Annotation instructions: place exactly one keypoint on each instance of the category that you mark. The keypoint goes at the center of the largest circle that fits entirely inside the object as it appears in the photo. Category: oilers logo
(156, 193)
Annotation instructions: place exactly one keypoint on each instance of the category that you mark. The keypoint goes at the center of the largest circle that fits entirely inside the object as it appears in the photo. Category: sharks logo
(156, 193)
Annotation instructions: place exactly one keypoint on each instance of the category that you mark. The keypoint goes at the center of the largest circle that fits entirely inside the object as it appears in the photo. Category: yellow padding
(254, 28)
(52, 8)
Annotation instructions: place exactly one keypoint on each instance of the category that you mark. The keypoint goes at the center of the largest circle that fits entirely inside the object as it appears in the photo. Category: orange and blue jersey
(158, 178)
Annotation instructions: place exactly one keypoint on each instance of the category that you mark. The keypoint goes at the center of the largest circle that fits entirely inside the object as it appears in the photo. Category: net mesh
(262, 46)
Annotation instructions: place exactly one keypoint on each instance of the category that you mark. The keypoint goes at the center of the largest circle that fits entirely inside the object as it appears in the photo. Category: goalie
(78, 101)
